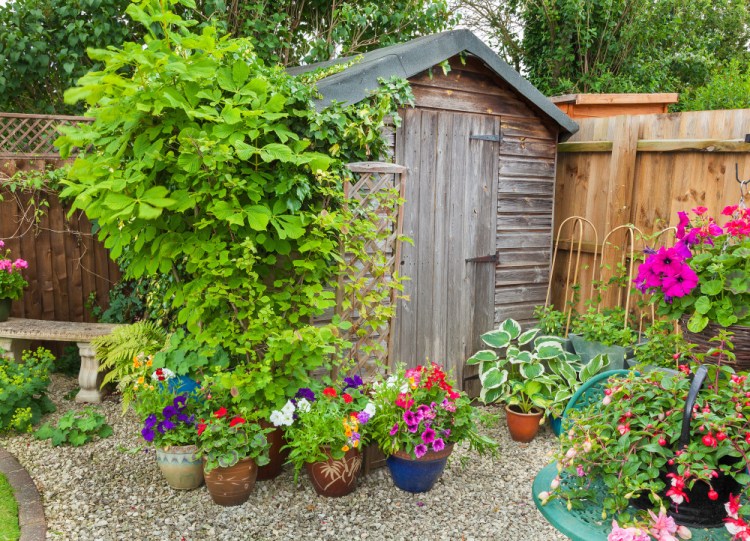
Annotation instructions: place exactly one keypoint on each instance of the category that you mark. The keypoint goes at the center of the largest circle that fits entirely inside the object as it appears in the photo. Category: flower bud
(544, 496)
(571, 453)
(606, 400)
(555, 483)
(587, 446)
(570, 505)
(683, 532)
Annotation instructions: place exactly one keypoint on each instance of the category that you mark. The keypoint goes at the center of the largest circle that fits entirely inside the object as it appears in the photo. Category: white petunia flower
(279, 419)
(370, 409)
(303, 405)
(288, 409)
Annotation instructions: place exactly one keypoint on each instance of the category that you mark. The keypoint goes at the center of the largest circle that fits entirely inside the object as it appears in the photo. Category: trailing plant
(209, 165)
(23, 390)
(76, 428)
(122, 354)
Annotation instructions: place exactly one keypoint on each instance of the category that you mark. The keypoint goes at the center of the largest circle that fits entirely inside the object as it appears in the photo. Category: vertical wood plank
(59, 259)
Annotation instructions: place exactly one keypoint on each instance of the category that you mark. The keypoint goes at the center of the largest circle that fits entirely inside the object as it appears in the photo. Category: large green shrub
(207, 164)
(23, 390)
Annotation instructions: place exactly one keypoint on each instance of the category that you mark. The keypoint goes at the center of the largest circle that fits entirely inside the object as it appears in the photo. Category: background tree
(43, 43)
(567, 46)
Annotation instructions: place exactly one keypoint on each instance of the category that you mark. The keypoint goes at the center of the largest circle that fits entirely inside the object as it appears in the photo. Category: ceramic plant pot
(523, 427)
(276, 456)
(180, 467)
(418, 474)
(232, 485)
(335, 477)
(5, 309)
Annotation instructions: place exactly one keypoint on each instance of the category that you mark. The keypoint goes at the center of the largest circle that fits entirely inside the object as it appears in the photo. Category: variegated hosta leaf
(563, 369)
(595, 366)
(531, 371)
(482, 356)
(512, 327)
(550, 350)
(488, 396)
(521, 357)
(486, 367)
(496, 339)
(527, 336)
(493, 378)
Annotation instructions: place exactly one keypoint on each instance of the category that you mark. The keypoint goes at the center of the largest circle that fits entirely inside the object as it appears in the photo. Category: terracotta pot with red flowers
(232, 448)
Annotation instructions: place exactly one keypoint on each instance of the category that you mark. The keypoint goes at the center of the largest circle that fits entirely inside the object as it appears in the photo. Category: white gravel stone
(112, 490)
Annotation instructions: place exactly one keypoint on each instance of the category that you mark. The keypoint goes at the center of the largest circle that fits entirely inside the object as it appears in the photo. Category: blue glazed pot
(417, 474)
(182, 384)
(555, 424)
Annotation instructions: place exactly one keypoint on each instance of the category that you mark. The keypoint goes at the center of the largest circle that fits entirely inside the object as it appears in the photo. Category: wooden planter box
(372, 459)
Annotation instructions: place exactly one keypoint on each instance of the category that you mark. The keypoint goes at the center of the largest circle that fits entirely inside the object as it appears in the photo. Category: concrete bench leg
(89, 378)
(6, 348)
(14, 347)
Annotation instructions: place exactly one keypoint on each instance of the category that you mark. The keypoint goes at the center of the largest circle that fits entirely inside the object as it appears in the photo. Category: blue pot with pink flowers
(418, 474)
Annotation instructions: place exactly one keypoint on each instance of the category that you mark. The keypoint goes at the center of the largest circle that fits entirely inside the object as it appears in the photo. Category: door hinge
(493, 138)
(492, 258)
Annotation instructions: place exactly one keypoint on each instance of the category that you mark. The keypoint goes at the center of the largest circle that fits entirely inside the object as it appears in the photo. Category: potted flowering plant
(704, 279)
(420, 416)
(11, 281)
(232, 447)
(656, 468)
(325, 431)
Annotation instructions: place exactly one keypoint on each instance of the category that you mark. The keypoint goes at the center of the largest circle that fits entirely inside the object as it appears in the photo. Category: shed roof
(407, 59)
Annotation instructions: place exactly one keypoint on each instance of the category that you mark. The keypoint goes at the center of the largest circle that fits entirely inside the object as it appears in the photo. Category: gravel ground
(113, 490)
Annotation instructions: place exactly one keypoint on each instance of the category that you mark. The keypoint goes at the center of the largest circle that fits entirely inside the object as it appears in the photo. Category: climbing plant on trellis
(378, 193)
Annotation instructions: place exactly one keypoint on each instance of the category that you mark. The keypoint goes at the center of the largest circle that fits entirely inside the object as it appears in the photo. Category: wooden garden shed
(479, 149)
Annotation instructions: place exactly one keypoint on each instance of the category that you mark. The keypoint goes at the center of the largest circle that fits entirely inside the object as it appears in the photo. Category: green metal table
(586, 524)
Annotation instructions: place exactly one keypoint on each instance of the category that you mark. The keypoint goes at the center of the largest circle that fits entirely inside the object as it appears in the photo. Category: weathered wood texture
(647, 185)
(66, 264)
(606, 105)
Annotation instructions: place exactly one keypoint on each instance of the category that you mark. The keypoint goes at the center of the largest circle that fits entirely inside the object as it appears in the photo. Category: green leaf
(482, 356)
(258, 217)
(494, 378)
(496, 339)
(712, 287)
(276, 151)
(240, 72)
(77, 438)
(738, 282)
(596, 365)
(697, 322)
(531, 371)
(549, 350)
(702, 304)
(512, 327)
(105, 431)
(527, 336)
(147, 212)
(489, 396)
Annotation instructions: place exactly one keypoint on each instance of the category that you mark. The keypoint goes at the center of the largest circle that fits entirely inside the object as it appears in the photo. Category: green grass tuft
(9, 530)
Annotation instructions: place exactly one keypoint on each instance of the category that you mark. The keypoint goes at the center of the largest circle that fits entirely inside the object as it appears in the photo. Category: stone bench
(16, 335)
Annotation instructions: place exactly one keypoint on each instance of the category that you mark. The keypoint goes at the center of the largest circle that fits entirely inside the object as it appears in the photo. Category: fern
(117, 350)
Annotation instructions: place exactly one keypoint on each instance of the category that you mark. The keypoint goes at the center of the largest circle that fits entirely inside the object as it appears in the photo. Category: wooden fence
(66, 264)
(642, 170)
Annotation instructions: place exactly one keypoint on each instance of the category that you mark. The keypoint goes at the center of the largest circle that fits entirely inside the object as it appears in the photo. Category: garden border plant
(206, 164)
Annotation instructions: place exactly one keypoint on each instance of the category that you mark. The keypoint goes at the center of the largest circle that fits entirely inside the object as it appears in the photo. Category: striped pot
(180, 467)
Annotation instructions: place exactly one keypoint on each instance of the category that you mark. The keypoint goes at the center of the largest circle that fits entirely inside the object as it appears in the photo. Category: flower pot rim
(535, 411)
(429, 456)
(178, 448)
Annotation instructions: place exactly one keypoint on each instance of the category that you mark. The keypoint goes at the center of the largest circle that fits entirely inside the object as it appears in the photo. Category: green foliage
(571, 46)
(214, 168)
(43, 49)
(609, 326)
(290, 33)
(122, 353)
(662, 346)
(69, 363)
(728, 88)
(168, 416)
(8, 511)
(535, 371)
(23, 390)
(550, 321)
(76, 428)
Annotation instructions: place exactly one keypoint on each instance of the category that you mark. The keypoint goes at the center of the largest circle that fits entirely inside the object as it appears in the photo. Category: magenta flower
(680, 283)
(438, 445)
(394, 430)
(683, 223)
(428, 436)
(420, 450)
(21, 264)
(410, 418)
(666, 261)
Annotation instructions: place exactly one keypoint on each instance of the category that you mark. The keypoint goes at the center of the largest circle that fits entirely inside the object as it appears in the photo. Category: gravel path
(111, 490)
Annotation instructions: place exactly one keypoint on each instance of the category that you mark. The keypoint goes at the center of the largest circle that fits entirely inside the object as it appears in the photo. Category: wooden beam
(661, 145)
(611, 99)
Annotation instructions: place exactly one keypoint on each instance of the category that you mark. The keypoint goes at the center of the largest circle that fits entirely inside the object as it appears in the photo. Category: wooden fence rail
(643, 169)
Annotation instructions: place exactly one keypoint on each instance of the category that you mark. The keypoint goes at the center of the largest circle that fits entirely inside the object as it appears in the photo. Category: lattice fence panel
(384, 179)
(32, 135)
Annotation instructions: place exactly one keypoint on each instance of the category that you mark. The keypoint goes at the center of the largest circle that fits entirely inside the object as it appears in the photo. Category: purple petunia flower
(394, 430)
(428, 436)
(363, 417)
(410, 418)
(148, 434)
(180, 401)
(412, 428)
(423, 410)
(438, 445)
(353, 382)
(306, 393)
(169, 411)
(446, 432)
(165, 425)
(150, 421)
(420, 450)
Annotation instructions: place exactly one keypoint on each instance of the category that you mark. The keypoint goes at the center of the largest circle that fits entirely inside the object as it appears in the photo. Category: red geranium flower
(201, 428)
(330, 391)
(221, 412)
(236, 421)
(347, 398)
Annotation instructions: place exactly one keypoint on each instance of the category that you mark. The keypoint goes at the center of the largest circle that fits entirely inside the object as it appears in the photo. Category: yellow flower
(356, 442)
(136, 363)
(141, 380)
(345, 448)
(149, 362)
(348, 433)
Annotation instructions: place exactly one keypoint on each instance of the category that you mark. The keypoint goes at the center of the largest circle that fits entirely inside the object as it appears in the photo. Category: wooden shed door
(450, 213)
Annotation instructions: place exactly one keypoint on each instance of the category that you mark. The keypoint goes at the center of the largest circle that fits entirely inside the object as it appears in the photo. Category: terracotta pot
(418, 474)
(335, 477)
(180, 467)
(276, 456)
(523, 426)
(5, 308)
(232, 485)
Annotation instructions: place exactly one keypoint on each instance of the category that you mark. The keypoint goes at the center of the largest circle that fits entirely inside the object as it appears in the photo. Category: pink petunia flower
(681, 282)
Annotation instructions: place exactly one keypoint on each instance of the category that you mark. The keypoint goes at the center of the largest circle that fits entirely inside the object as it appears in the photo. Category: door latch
(492, 258)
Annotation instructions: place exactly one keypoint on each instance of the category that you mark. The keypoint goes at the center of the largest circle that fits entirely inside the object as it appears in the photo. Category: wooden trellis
(385, 181)
(24, 136)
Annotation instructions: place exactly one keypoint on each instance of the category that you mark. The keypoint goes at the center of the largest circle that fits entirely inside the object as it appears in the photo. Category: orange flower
(345, 448)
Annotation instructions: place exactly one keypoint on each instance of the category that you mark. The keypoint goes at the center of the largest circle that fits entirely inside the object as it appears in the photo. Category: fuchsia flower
(627, 534)
(420, 450)
(663, 527)
(680, 283)
(677, 491)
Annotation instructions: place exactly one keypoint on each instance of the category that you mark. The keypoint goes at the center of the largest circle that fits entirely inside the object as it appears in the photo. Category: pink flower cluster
(736, 525)
(10, 266)
(661, 527)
